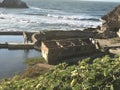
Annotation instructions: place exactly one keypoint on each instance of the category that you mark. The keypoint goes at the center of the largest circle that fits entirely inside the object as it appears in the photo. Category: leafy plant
(101, 74)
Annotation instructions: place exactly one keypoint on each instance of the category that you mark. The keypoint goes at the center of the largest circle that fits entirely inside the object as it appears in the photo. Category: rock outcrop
(13, 4)
(111, 21)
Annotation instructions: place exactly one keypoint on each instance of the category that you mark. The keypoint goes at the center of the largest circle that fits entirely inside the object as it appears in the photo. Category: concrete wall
(44, 51)
(28, 44)
(56, 35)
(55, 54)
(16, 46)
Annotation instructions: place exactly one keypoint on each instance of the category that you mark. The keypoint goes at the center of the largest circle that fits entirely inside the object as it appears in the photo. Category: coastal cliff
(111, 23)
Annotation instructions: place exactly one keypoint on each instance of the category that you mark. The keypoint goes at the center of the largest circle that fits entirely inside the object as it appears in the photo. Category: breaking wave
(75, 17)
(45, 19)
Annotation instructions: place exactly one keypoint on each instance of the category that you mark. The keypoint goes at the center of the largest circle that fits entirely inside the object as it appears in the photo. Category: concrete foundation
(16, 46)
(28, 43)
(56, 51)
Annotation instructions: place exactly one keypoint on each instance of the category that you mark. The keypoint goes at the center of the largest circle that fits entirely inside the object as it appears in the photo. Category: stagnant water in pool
(12, 61)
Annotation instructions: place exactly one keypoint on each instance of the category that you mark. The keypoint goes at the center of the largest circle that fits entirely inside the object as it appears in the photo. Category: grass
(33, 61)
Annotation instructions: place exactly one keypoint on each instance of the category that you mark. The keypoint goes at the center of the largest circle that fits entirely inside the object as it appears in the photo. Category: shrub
(101, 74)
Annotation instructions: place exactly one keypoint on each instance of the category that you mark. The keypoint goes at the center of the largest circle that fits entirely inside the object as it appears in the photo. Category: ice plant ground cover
(98, 74)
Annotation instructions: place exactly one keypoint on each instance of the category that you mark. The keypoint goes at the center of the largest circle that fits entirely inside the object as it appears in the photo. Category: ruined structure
(27, 37)
(58, 45)
(55, 51)
(28, 41)
(56, 35)
(62, 45)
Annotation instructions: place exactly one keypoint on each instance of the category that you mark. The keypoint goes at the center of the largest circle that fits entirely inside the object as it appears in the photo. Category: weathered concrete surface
(20, 46)
(16, 46)
(28, 43)
(56, 35)
(11, 33)
(115, 51)
(28, 37)
(3, 45)
(109, 45)
(14, 32)
(54, 51)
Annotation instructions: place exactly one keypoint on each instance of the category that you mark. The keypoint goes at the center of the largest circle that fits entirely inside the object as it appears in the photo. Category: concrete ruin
(28, 37)
(56, 51)
(28, 42)
(56, 35)
(57, 46)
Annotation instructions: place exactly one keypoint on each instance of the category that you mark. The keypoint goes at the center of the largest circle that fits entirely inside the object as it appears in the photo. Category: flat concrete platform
(115, 51)
(12, 32)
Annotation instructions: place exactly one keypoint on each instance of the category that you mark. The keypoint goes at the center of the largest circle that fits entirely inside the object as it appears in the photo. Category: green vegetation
(100, 74)
(33, 61)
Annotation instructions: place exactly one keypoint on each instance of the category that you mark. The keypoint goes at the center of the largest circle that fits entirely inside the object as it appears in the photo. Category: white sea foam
(36, 8)
(75, 17)
(14, 21)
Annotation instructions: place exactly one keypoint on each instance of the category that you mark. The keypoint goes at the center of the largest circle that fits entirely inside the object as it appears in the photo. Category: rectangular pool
(11, 38)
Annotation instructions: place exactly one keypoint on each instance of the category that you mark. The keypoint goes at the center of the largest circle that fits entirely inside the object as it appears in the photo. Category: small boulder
(13, 4)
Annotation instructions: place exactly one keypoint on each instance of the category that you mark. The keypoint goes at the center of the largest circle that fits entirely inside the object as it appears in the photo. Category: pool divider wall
(29, 44)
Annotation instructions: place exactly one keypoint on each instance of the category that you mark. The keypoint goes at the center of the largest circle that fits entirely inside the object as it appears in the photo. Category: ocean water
(54, 15)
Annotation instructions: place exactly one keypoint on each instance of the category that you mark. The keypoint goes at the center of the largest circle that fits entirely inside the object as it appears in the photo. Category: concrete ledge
(17, 46)
(115, 51)
(12, 32)
(3, 45)
(20, 46)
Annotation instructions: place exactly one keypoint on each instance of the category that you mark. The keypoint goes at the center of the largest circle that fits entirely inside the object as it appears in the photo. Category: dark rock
(13, 4)
(111, 21)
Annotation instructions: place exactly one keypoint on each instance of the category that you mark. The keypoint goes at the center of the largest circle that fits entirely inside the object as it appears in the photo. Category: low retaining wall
(14, 32)
(3, 45)
(11, 33)
(17, 46)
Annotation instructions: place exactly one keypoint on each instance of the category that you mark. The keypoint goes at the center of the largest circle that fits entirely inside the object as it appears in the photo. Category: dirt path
(45, 65)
